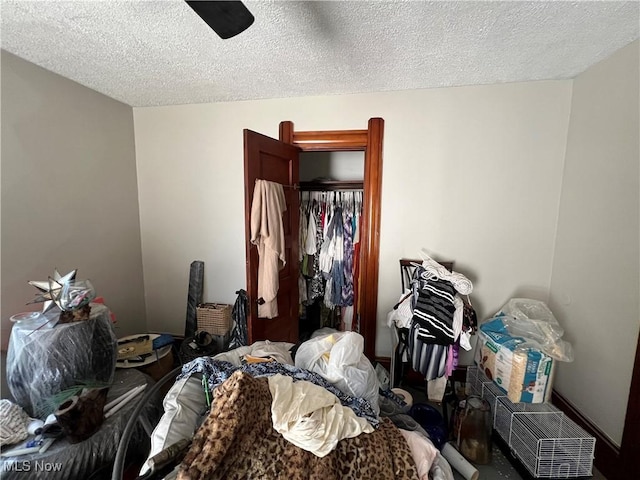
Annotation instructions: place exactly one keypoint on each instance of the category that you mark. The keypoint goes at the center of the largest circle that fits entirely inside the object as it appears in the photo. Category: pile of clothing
(438, 322)
(271, 418)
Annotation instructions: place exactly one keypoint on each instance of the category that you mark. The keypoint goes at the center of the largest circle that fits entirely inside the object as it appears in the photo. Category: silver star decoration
(52, 288)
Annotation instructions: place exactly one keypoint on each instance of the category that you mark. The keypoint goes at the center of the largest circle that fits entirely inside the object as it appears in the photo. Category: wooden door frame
(370, 142)
(630, 445)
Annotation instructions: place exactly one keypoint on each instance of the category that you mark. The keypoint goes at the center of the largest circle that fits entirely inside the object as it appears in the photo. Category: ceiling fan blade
(226, 18)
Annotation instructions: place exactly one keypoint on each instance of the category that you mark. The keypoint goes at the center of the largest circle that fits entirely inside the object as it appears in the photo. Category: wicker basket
(214, 318)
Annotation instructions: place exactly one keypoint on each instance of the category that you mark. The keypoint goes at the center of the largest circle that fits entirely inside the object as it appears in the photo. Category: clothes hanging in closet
(329, 246)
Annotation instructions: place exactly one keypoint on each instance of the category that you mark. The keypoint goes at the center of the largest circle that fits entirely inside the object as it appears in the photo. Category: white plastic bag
(532, 320)
(339, 358)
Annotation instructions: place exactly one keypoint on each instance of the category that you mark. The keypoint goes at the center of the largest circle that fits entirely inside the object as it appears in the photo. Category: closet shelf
(330, 185)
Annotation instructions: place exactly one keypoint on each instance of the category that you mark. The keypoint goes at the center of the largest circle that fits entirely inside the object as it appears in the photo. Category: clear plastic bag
(339, 358)
(533, 321)
(42, 363)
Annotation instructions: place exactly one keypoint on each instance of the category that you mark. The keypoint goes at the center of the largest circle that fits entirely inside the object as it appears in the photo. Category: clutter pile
(437, 319)
(321, 403)
(515, 356)
(510, 388)
(60, 369)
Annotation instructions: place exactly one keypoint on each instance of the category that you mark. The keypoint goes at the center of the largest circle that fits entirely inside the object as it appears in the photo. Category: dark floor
(499, 468)
(503, 465)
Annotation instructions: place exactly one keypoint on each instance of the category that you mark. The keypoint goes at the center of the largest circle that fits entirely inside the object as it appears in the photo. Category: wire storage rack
(549, 444)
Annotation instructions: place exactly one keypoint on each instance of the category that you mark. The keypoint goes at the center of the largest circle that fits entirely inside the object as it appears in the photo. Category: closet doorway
(331, 194)
(279, 161)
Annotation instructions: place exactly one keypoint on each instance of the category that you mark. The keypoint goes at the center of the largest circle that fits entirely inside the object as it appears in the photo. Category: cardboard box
(523, 373)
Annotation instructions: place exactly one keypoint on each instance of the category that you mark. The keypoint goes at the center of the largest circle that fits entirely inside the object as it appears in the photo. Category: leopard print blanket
(237, 441)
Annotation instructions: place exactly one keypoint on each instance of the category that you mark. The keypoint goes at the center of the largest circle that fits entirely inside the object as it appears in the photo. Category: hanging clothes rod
(331, 185)
(325, 186)
(294, 186)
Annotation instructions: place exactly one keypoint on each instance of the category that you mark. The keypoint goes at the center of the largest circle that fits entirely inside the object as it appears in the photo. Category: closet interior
(331, 200)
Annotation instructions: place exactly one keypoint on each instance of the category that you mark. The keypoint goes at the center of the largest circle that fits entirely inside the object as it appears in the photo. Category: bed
(248, 432)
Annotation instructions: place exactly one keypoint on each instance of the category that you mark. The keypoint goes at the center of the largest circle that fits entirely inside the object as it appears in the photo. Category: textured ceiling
(147, 53)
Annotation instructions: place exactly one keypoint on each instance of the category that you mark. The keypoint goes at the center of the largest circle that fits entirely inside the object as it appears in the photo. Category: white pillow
(183, 405)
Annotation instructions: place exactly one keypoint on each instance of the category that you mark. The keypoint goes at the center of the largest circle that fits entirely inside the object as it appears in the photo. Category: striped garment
(434, 310)
(429, 359)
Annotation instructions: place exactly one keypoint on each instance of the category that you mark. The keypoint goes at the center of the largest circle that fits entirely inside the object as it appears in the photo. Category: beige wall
(595, 285)
(69, 192)
(471, 174)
